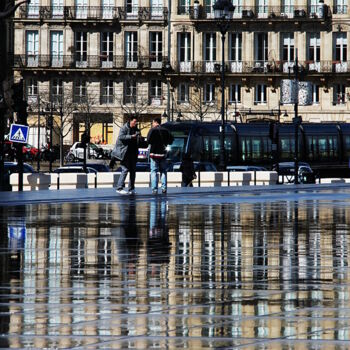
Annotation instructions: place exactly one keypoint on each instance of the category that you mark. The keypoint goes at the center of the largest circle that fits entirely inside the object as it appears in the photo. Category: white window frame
(315, 94)
(156, 48)
(184, 51)
(81, 47)
(130, 91)
(107, 49)
(183, 93)
(131, 49)
(155, 91)
(56, 48)
(32, 88)
(314, 51)
(341, 7)
(209, 93)
(260, 94)
(56, 90)
(107, 91)
(209, 51)
(235, 93)
(80, 91)
(32, 48)
(339, 94)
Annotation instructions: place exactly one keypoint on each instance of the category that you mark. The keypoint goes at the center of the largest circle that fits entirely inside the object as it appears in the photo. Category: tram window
(287, 148)
(176, 149)
(267, 148)
(347, 146)
(215, 149)
(312, 147)
(256, 149)
(333, 146)
(228, 149)
(322, 147)
(206, 149)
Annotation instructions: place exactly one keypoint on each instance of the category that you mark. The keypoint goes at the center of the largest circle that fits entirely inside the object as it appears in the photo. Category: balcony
(91, 13)
(261, 67)
(82, 61)
(270, 13)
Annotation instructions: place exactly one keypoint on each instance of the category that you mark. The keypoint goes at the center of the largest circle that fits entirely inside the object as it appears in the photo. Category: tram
(325, 146)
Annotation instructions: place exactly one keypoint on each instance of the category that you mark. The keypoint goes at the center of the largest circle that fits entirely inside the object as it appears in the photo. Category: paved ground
(222, 268)
(187, 194)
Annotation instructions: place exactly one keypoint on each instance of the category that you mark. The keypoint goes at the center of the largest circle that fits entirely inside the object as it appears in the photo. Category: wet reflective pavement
(165, 274)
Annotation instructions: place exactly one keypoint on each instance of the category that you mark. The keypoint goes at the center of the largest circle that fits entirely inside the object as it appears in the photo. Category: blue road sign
(19, 133)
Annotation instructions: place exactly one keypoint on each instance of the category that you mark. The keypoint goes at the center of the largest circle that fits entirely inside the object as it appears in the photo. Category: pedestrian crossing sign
(19, 133)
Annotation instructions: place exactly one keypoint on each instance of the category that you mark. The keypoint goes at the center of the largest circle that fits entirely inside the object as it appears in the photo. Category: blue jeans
(158, 165)
(128, 165)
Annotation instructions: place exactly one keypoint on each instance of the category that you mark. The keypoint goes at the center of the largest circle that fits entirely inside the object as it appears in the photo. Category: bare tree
(197, 108)
(134, 101)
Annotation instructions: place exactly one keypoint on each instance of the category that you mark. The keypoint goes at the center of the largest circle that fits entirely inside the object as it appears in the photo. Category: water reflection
(156, 275)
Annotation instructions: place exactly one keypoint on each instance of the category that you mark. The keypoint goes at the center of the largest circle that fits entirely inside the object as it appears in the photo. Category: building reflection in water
(159, 275)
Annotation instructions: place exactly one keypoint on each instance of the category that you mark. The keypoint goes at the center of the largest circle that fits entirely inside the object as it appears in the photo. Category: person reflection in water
(158, 238)
(126, 235)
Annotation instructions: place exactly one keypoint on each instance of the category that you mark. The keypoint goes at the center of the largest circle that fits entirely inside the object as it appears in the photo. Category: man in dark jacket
(126, 150)
(158, 138)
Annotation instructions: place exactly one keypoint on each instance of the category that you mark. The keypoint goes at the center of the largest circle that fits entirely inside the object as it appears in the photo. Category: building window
(107, 49)
(32, 48)
(155, 91)
(107, 93)
(209, 93)
(56, 38)
(260, 94)
(155, 49)
(79, 91)
(32, 87)
(131, 47)
(130, 92)
(341, 7)
(81, 49)
(339, 94)
(56, 90)
(235, 93)
(183, 95)
(314, 52)
(183, 7)
(261, 47)
(315, 94)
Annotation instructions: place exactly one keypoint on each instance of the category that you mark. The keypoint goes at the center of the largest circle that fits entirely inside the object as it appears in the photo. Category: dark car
(11, 168)
(245, 168)
(287, 171)
(198, 166)
(140, 166)
(74, 169)
(99, 167)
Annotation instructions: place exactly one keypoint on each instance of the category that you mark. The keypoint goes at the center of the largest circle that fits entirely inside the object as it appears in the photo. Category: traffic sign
(19, 133)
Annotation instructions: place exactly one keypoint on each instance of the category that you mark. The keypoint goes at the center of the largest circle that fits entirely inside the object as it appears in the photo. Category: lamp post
(296, 119)
(223, 12)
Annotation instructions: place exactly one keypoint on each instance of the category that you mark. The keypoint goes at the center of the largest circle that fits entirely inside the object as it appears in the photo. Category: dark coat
(126, 143)
(159, 137)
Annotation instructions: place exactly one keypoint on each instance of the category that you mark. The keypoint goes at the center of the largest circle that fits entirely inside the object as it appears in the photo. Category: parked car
(76, 152)
(74, 169)
(11, 168)
(245, 168)
(287, 170)
(99, 167)
(140, 166)
(198, 166)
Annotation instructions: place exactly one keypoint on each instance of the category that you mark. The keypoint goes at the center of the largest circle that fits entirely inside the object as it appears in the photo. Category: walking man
(126, 150)
(158, 137)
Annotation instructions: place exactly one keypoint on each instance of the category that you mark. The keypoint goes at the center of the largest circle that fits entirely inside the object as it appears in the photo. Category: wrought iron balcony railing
(278, 13)
(81, 61)
(260, 67)
(71, 13)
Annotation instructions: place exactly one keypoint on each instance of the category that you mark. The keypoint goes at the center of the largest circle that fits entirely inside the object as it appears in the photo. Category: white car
(76, 152)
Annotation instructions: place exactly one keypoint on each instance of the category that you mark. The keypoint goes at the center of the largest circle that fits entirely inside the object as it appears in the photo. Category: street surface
(231, 268)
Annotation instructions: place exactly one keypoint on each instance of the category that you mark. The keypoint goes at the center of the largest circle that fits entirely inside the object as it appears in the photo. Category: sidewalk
(145, 194)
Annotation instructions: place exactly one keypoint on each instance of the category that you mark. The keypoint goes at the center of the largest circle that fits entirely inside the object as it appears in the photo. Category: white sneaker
(122, 191)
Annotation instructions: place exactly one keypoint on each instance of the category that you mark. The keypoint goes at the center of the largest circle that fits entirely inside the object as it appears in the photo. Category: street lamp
(223, 12)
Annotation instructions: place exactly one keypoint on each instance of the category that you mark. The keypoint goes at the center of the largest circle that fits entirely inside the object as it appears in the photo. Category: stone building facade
(110, 59)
